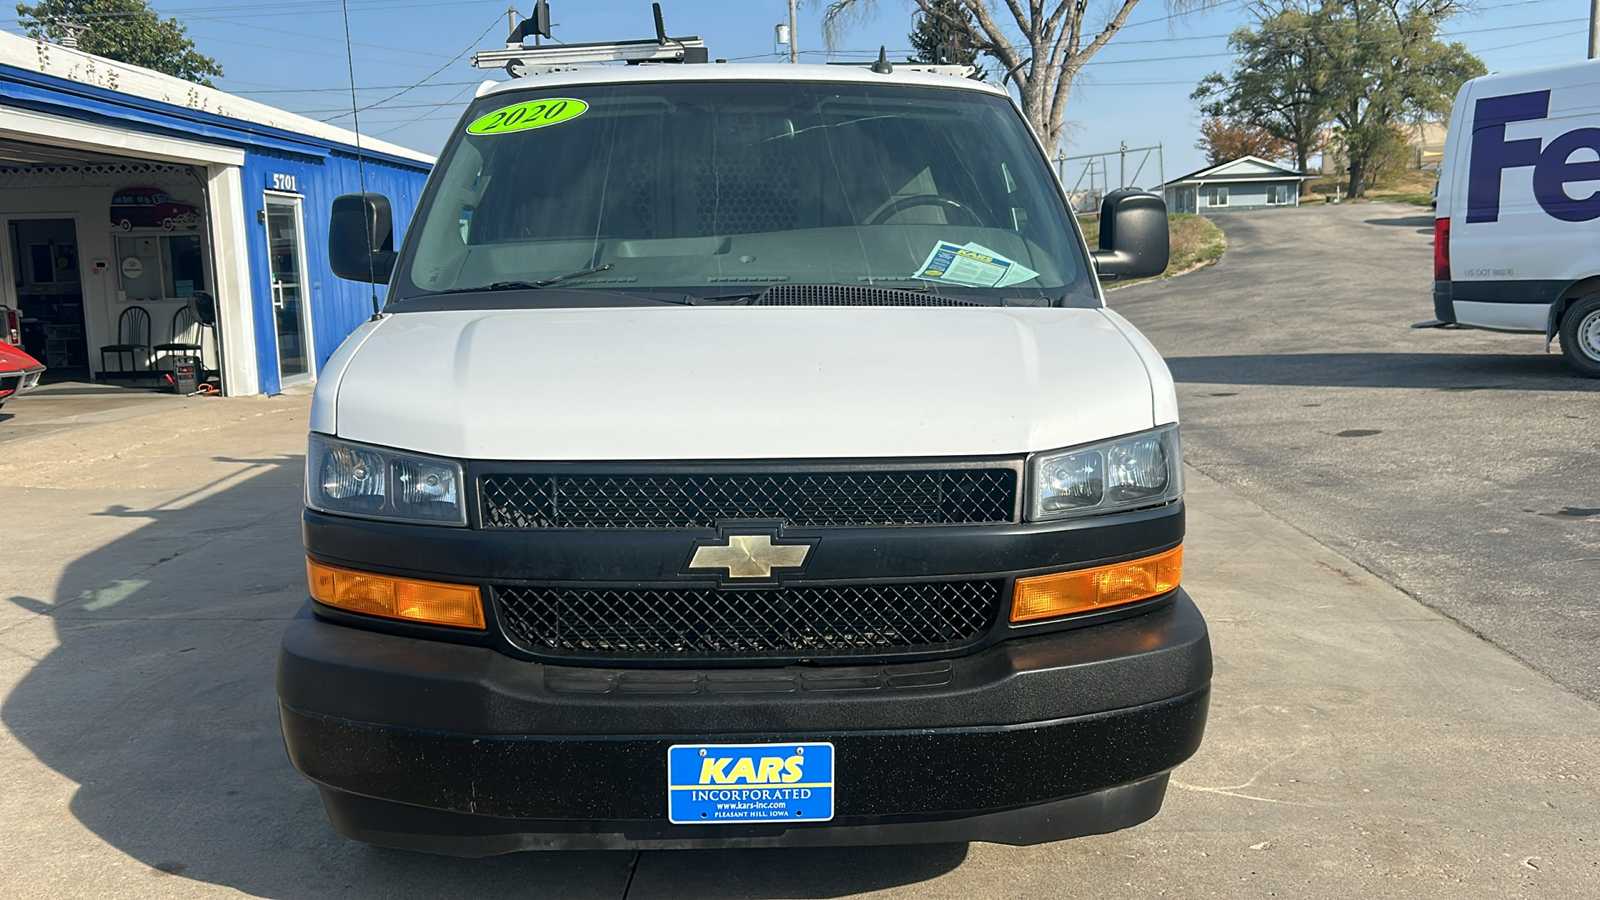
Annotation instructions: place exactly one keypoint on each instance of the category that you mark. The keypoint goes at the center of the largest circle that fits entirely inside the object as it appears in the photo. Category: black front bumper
(460, 749)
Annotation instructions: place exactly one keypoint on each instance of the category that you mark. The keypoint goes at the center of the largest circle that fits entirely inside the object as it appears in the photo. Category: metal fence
(1088, 177)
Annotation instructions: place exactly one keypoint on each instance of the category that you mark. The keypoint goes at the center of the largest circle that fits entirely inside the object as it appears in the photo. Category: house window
(1217, 196)
(1277, 195)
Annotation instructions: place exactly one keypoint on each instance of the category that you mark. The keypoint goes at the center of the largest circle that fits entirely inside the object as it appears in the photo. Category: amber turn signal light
(429, 602)
(1065, 593)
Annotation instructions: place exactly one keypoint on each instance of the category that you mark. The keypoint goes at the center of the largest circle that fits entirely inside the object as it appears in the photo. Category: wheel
(1580, 336)
(168, 223)
(125, 225)
(916, 200)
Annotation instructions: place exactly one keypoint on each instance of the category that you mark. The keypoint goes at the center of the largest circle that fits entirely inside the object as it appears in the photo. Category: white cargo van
(1517, 238)
(745, 456)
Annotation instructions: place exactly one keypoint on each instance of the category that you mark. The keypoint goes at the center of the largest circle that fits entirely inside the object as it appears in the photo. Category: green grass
(1413, 186)
(1195, 242)
(1413, 199)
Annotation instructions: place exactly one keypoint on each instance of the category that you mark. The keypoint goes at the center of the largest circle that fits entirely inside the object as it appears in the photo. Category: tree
(1384, 65)
(1277, 82)
(949, 27)
(1052, 50)
(1224, 139)
(124, 30)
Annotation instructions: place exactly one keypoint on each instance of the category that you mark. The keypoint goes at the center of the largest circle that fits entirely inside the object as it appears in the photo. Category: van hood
(724, 383)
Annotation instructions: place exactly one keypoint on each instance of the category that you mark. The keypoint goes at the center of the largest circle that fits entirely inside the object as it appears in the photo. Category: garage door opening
(105, 261)
(41, 257)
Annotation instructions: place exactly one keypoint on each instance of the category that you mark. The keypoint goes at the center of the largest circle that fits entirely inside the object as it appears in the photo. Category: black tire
(1580, 335)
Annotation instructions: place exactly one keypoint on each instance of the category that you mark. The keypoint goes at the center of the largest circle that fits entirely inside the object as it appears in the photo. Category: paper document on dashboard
(971, 265)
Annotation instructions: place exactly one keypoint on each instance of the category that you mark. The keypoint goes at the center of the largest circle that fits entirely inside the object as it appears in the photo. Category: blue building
(1248, 182)
(125, 192)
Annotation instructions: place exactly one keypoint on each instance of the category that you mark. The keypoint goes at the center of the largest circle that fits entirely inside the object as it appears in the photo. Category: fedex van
(1517, 234)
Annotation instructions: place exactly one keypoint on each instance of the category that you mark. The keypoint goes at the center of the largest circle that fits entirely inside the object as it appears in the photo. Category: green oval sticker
(524, 116)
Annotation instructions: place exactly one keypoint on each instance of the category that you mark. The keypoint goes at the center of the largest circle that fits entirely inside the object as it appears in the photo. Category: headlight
(375, 483)
(1140, 470)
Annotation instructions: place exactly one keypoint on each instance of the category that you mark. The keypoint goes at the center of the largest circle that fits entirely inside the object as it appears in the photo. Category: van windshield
(710, 189)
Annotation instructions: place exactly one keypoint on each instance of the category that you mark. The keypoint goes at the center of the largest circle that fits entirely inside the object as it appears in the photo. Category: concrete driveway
(1462, 466)
(68, 405)
(1360, 743)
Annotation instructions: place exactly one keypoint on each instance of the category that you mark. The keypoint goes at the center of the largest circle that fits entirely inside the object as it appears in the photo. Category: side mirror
(361, 238)
(1133, 236)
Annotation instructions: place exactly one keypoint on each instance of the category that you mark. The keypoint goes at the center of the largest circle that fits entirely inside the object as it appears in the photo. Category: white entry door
(291, 316)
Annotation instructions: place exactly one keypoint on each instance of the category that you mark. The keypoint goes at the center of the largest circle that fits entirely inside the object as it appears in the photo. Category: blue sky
(291, 53)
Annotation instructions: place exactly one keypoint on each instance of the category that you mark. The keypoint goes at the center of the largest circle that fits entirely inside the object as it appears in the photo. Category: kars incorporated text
(751, 794)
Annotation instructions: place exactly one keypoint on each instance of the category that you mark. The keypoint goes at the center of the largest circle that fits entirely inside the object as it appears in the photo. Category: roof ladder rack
(520, 61)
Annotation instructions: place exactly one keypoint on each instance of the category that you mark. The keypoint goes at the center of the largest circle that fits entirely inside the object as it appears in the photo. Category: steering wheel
(915, 200)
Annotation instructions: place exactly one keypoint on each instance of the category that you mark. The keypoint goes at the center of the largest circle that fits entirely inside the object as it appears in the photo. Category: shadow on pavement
(157, 701)
(1439, 371)
(1417, 221)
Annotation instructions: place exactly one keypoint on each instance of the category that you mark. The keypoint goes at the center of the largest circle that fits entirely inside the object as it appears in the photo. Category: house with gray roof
(1248, 182)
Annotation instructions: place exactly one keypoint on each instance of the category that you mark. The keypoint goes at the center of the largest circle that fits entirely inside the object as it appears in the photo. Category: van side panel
(1502, 316)
(1522, 192)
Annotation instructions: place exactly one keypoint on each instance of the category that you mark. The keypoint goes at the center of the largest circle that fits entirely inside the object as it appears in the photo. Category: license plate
(725, 784)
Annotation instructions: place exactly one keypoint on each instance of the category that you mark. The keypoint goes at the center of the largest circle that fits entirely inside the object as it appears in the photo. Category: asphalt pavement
(1461, 466)
(1360, 744)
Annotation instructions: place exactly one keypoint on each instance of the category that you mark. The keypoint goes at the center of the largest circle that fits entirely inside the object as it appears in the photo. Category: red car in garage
(18, 371)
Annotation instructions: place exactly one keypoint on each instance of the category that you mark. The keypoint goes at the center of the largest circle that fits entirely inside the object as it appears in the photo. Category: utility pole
(794, 33)
(511, 17)
(1594, 28)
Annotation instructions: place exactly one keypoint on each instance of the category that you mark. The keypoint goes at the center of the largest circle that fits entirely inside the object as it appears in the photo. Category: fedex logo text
(1553, 166)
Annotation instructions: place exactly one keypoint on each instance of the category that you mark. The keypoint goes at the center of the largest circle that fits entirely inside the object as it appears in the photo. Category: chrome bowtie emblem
(750, 556)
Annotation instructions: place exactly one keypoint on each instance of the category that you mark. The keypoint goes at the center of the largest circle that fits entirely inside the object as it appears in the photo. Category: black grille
(794, 621)
(802, 499)
(851, 295)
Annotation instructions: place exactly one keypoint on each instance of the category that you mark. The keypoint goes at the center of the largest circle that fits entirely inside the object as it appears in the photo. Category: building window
(1277, 195)
(1217, 196)
(161, 267)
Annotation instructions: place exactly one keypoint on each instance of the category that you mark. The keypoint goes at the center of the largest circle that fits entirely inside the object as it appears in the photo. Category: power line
(448, 64)
(261, 10)
(233, 15)
(1147, 59)
(368, 87)
(437, 107)
(324, 54)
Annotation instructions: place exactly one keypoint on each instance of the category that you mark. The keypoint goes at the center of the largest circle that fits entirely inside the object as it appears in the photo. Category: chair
(187, 337)
(133, 338)
(187, 346)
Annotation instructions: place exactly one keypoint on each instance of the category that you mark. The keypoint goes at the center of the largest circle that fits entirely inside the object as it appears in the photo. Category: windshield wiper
(420, 301)
(578, 274)
(527, 285)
